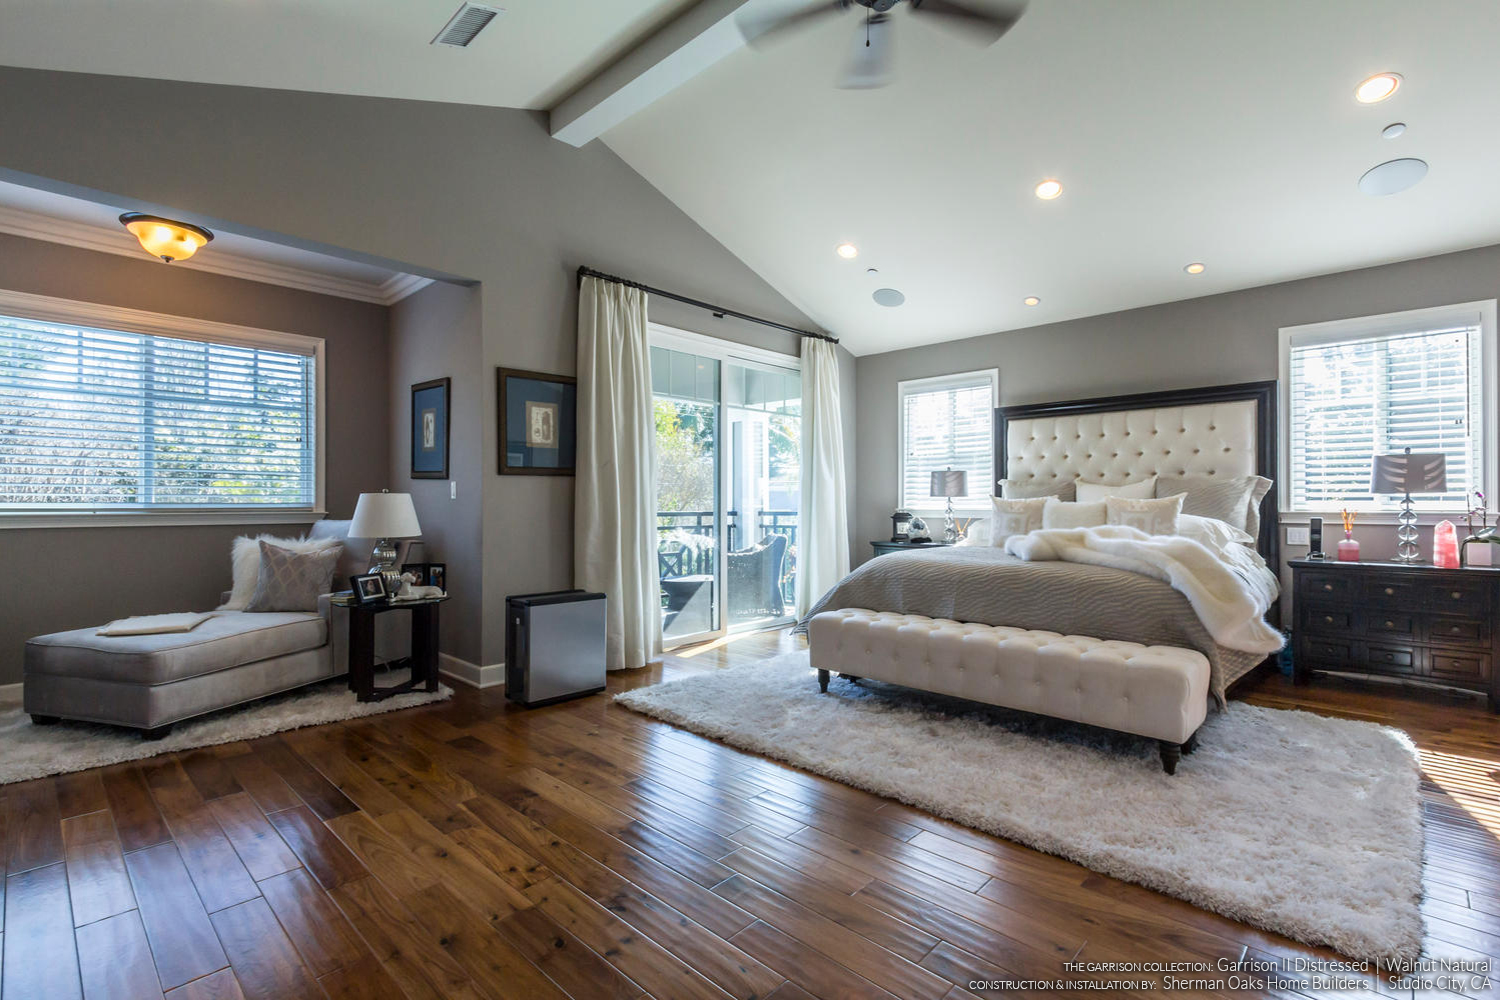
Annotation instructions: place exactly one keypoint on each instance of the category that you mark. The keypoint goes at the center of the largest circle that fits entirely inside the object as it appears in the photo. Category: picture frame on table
(417, 569)
(430, 409)
(437, 576)
(369, 588)
(537, 415)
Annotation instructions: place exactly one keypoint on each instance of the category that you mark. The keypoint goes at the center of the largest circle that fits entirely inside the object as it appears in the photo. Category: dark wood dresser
(1411, 621)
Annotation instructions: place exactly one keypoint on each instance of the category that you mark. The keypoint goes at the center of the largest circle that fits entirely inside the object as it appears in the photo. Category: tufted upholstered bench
(1160, 692)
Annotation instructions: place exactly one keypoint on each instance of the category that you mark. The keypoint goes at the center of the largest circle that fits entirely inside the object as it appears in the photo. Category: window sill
(155, 518)
(1331, 518)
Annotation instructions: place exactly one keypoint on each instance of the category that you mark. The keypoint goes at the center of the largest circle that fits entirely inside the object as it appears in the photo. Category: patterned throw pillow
(1141, 489)
(1037, 486)
(1015, 517)
(293, 581)
(1235, 500)
(1061, 514)
(1154, 517)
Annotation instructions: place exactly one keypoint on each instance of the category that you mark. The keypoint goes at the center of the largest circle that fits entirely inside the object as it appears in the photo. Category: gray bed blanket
(982, 584)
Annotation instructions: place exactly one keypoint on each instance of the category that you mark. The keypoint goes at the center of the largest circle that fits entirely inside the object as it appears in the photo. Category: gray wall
(1213, 340)
(435, 334)
(481, 193)
(92, 575)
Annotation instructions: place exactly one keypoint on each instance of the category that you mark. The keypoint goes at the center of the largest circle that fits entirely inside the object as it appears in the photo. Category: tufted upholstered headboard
(1224, 430)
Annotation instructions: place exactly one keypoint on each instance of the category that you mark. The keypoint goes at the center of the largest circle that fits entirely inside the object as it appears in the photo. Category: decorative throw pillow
(1015, 517)
(1211, 532)
(1037, 486)
(1154, 517)
(1061, 514)
(1141, 489)
(293, 581)
(245, 564)
(1235, 500)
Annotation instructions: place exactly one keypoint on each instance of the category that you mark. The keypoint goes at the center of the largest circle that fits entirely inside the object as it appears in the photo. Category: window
(948, 423)
(1359, 388)
(114, 411)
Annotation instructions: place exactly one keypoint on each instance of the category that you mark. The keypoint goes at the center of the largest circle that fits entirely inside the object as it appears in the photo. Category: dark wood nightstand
(882, 548)
(424, 647)
(1411, 621)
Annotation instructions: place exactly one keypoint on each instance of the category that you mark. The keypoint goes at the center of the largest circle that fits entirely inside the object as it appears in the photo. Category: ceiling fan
(873, 64)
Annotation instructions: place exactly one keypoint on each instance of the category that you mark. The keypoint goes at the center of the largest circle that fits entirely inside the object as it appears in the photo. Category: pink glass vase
(1445, 545)
(1348, 549)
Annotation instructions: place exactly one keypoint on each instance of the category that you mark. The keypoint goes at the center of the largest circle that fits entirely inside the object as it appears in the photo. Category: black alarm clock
(901, 526)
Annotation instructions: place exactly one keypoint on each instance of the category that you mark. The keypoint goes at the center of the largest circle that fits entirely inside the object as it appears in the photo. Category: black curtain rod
(719, 311)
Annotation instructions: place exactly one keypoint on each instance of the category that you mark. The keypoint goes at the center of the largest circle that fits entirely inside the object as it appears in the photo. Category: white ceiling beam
(672, 56)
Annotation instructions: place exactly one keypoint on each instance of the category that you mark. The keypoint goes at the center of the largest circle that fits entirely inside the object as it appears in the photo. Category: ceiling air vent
(466, 23)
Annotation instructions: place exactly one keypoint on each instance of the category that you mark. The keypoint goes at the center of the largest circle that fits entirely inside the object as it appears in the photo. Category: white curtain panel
(614, 508)
(822, 519)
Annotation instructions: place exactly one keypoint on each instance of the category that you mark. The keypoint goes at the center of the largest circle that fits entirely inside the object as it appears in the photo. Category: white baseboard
(10, 692)
(488, 676)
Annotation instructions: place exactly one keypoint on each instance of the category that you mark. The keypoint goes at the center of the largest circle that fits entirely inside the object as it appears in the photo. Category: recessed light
(1048, 189)
(1032, 300)
(1393, 130)
(848, 251)
(888, 297)
(1392, 176)
(1377, 88)
(1194, 268)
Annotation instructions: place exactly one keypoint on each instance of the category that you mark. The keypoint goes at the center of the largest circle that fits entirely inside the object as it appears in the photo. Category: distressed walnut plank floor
(471, 850)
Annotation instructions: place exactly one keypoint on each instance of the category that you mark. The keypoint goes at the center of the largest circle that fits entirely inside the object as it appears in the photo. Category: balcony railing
(687, 542)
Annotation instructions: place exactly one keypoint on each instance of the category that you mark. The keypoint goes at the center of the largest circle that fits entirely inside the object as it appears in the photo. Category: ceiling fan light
(165, 239)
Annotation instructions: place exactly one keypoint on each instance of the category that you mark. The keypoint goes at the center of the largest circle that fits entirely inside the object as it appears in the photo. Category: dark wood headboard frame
(1262, 393)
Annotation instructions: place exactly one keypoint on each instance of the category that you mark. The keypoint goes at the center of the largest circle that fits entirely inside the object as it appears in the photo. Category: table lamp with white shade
(950, 483)
(385, 516)
(1405, 473)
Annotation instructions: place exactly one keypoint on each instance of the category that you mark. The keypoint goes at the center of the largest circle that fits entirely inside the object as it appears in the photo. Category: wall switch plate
(1297, 534)
(453, 489)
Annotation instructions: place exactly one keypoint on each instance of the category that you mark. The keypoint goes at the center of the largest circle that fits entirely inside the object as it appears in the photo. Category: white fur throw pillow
(1060, 514)
(245, 561)
(1154, 517)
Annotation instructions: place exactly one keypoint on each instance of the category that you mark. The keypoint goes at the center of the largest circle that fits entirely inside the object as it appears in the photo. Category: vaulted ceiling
(1182, 131)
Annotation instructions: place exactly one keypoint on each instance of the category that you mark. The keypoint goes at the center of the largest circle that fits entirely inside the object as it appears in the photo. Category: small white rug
(31, 751)
(1296, 823)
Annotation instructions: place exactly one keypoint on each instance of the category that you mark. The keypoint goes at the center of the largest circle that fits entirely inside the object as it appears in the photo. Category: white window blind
(95, 419)
(1359, 396)
(947, 424)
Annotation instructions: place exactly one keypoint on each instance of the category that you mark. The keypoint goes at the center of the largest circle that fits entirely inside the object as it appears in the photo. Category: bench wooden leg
(1171, 753)
(44, 720)
(1191, 744)
(823, 681)
(159, 733)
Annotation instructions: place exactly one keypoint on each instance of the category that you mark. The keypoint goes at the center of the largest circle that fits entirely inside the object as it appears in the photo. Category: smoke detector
(467, 22)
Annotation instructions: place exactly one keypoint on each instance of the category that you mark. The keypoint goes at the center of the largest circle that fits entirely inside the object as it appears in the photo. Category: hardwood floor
(472, 850)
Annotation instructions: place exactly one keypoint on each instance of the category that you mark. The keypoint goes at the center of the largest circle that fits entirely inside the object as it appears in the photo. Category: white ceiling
(1183, 131)
(529, 57)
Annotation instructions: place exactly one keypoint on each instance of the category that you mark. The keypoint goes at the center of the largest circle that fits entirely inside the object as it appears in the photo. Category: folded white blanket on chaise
(155, 624)
(1229, 589)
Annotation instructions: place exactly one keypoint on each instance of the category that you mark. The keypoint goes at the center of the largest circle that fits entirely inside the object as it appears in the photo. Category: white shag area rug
(1296, 823)
(31, 751)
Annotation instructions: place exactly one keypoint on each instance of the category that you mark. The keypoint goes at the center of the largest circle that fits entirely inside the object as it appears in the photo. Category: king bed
(1201, 443)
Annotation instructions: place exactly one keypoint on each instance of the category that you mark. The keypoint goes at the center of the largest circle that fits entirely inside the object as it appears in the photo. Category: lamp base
(950, 530)
(1406, 534)
(383, 561)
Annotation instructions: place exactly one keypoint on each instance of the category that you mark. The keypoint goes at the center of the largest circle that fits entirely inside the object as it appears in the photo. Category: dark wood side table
(1402, 620)
(424, 647)
(883, 548)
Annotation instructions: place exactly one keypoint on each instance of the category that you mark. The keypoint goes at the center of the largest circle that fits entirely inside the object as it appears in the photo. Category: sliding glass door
(728, 439)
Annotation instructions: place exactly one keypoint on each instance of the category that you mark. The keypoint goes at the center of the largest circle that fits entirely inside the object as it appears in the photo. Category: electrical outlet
(1297, 534)
(453, 489)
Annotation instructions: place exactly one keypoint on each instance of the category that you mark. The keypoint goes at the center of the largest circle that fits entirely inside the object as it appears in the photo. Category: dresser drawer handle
(1457, 595)
(1389, 657)
(1328, 619)
(1390, 591)
(1327, 586)
(1455, 629)
(1390, 624)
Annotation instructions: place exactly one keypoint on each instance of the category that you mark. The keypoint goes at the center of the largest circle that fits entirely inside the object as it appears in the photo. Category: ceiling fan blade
(874, 62)
(980, 24)
(763, 30)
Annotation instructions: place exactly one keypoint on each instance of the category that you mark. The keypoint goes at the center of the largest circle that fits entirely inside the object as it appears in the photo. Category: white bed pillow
(1235, 500)
(1211, 533)
(1154, 517)
(1141, 489)
(245, 561)
(1061, 514)
(1016, 517)
(1025, 489)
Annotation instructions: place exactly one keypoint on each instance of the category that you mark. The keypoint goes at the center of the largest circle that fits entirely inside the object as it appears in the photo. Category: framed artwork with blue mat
(538, 415)
(429, 429)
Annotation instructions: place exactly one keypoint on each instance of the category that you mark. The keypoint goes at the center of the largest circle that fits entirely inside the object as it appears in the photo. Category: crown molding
(37, 226)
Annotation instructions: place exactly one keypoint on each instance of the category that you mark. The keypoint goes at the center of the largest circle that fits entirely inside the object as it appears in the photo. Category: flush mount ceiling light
(1377, 88)
(848, 251)
(888, 297)
(1049, 189)
(1392, 176)
(1194, 268)
(1031, 300)
(164, 238)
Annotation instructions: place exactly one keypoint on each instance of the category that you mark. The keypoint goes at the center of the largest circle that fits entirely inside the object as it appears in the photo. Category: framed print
(538, 417)
(429, 429)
